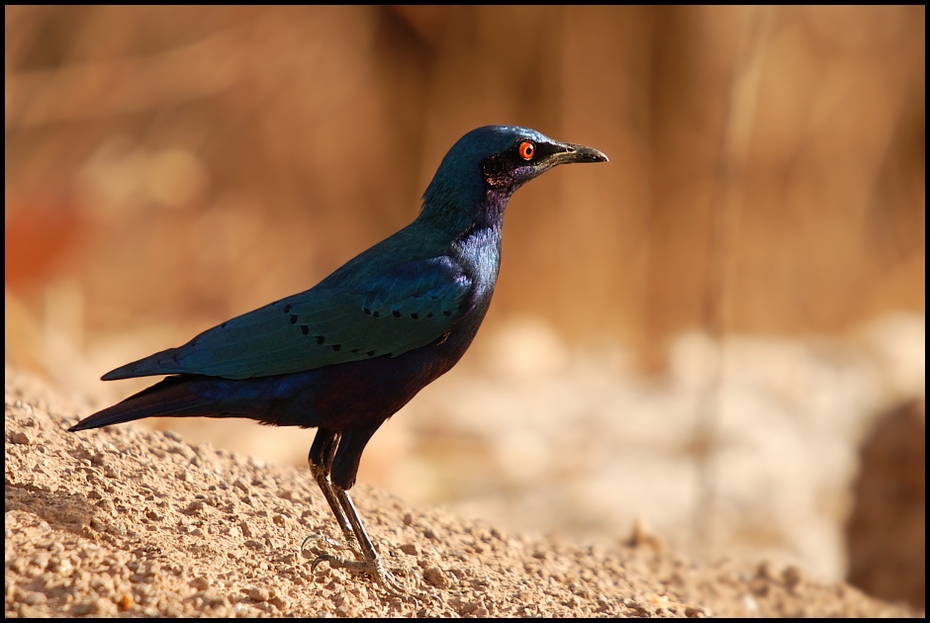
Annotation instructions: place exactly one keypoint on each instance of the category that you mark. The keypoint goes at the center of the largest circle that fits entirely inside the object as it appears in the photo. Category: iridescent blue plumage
(347, 354)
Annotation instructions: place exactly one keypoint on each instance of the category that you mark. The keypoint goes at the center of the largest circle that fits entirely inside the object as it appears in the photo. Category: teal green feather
(374, 305)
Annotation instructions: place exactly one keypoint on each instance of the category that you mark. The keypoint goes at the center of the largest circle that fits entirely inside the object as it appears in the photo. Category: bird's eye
(527, 149)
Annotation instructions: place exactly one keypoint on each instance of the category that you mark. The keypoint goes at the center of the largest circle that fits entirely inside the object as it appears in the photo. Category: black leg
(372, 564)
(321, 458)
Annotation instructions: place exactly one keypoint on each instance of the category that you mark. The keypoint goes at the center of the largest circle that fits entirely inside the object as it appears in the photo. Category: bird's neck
(457, 218)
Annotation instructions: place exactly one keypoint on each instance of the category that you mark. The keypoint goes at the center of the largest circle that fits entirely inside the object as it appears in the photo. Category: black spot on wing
(287, 308)
(305, 329)
(320, 339)
(293, 319)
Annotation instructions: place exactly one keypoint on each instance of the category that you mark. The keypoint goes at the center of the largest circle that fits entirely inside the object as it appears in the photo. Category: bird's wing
(342, 319)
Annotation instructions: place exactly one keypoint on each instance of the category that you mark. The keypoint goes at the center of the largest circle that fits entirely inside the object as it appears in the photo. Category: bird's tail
(176, 396)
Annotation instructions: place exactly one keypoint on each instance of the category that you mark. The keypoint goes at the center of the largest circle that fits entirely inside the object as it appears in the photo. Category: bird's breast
(480, 255)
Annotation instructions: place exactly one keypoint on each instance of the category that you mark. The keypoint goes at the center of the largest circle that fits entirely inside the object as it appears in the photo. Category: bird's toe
(376, 570)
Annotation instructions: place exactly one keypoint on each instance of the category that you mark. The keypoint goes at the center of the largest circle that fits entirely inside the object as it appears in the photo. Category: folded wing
(344, 318)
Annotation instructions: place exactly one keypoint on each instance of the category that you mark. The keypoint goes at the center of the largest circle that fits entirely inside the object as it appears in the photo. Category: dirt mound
(127, 521)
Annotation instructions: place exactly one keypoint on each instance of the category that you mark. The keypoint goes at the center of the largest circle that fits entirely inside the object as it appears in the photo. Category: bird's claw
(376, 570)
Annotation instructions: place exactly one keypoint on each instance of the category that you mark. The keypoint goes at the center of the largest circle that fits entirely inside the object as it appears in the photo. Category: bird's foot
(377, 571)
(375, 568)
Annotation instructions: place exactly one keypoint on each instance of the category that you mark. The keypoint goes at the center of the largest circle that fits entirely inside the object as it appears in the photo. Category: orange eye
(527, 149)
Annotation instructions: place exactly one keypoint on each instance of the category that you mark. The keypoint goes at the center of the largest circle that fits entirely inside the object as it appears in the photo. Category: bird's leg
(321, 459)
(322, 479)
(367, 560)
(371, 563)
(359, 542)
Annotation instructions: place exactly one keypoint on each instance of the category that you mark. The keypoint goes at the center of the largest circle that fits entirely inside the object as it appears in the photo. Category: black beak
(570, 152)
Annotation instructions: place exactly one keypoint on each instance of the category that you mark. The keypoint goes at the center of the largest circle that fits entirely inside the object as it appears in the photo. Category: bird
(347, 354)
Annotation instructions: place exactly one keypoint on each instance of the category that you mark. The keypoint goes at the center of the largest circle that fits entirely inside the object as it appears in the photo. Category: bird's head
(484, 168)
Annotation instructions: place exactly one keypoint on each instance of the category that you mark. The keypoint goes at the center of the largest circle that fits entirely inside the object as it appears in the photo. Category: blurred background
(693, 346)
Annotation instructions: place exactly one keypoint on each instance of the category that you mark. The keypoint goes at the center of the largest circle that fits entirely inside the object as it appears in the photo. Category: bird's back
(404, 293)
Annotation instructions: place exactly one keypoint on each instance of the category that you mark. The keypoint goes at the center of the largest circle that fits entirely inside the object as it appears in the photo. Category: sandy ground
(537, 436)
(126, 521)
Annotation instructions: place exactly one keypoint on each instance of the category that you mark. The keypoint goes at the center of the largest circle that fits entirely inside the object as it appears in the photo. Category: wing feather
(347, 317)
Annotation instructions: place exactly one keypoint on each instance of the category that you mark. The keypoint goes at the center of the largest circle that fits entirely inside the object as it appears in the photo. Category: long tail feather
(286, 400)
(172, 397)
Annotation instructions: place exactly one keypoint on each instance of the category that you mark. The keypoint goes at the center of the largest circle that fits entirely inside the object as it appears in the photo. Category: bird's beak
(570, 152)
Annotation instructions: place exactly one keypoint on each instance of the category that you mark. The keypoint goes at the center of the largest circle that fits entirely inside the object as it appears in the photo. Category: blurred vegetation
(175, 166)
